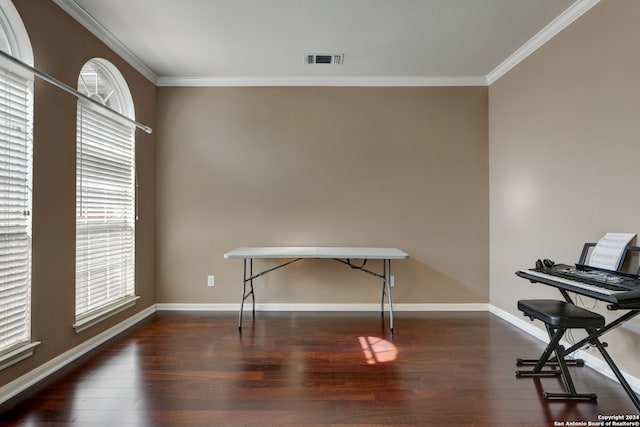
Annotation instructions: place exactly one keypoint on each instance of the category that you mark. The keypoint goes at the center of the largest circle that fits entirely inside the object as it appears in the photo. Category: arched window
(16, 148)
(105, 196)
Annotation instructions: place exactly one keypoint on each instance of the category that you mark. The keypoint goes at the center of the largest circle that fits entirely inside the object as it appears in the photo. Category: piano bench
(558, 317)
(560, 314)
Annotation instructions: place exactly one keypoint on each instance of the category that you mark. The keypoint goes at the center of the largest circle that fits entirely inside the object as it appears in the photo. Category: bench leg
(555, 347)
(552, 361)
(555, 337)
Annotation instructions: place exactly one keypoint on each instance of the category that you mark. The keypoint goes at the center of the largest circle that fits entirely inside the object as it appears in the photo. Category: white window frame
(15, 330)
(105, 170)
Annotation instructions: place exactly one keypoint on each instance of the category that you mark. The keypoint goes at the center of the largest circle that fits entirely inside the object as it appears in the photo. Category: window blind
(105, 211)
(15, 211)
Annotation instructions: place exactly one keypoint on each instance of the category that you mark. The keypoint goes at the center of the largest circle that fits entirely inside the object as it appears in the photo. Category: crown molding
(323, 81)
(86, 20)
(575, 11)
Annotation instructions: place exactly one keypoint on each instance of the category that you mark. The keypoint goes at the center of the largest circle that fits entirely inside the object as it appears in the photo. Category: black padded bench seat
(558, 316)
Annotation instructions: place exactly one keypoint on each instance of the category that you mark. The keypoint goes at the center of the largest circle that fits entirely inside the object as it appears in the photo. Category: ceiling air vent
(324, 58)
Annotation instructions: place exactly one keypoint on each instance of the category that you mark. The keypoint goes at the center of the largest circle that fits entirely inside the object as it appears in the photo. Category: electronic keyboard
(622, 290)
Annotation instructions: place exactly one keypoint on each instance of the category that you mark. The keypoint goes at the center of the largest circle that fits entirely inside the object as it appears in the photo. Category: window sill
(17, 354)
(93, 318)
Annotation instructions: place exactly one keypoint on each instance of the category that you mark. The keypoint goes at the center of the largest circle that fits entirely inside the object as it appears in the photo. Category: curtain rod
(71, 90)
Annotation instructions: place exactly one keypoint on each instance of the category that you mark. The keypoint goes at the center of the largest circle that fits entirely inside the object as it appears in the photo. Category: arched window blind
(16, 106)
(105, 197)
(15, 210)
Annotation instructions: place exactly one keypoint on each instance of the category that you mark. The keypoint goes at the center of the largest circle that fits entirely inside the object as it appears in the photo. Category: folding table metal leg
(253, 295)
(387, 283)
(244, 291)
(384, 284)
(246, 279)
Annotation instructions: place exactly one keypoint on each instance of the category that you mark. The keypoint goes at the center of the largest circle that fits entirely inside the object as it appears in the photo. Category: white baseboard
(590, 360)
(38, 374)
(323, 307)
(520, 323)
(196, 307)
(441, 307)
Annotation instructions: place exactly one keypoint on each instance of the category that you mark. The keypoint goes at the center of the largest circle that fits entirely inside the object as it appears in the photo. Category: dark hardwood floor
(312, 369)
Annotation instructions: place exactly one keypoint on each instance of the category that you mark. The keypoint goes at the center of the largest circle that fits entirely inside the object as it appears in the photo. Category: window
(16, 148)
(105, 196)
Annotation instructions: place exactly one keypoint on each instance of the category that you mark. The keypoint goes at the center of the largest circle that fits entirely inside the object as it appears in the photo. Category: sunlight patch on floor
(377, 350)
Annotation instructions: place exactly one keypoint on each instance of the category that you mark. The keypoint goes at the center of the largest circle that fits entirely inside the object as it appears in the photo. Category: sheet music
(609, 250)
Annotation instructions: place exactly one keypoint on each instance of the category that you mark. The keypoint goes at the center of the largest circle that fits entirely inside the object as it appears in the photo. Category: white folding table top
(316, 252)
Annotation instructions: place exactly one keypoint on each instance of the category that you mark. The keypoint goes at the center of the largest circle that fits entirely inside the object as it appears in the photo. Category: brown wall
(564, 156)
(61, 46)
(400, 167)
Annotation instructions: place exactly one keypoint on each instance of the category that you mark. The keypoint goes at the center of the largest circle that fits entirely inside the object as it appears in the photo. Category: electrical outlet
(392, 281)
(211, 280)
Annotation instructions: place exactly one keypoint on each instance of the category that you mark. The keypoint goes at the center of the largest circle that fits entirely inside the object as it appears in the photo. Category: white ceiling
(384, 42)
